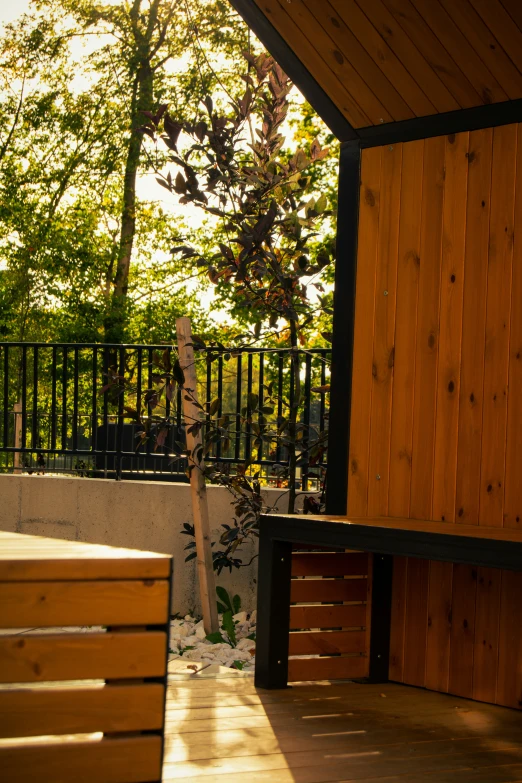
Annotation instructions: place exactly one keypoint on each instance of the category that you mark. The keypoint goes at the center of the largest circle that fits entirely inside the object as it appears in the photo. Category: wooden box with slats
(329, 615)
(83, 661)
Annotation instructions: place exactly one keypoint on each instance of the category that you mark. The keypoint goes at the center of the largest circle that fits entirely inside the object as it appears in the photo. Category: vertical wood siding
(437, 393)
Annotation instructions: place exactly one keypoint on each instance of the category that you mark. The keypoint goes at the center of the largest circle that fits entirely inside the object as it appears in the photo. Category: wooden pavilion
(426, 98)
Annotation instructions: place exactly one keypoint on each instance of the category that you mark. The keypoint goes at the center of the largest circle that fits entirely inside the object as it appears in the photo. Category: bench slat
(329, 564)
(328, 590)
(327, 668)
(130, 760)
(30, 713)
(328, 616)
(82, 656)
(327, 642)
(47, 604)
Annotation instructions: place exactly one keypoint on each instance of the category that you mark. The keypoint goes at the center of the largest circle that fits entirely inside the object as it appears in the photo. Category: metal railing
(59, 414)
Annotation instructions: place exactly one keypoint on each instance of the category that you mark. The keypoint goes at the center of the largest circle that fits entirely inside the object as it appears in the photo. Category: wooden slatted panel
(389, 60)
(497, 325)
(393, 36)
(328, 616)
(132, 760)
(307, 50)
(414, 25)
(384, 329)
(334, 668)
(513, 484)
(445, 627)
(328, 590)
(26, 713)
(363, 336)
(72, 656)
(473, 327)
(383, 55)
(427, 330)
(463, 54)
(48, 604)
(348, 43)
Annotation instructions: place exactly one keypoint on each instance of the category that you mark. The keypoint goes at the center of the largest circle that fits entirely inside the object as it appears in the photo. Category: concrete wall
(137, 514)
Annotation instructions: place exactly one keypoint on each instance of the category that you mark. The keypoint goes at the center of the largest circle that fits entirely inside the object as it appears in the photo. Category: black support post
(343, 328)
(273, 611)
(382, 575)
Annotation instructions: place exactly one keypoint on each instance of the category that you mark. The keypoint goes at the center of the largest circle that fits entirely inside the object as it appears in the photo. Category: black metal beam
(343, 328)
(425, 544)
(292, 65)
(475, 118)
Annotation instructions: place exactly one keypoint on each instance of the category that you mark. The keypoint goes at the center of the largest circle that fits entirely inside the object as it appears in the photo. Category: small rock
(240, 617)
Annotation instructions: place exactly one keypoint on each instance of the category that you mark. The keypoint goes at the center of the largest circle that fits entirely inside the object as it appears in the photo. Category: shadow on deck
(222, 729)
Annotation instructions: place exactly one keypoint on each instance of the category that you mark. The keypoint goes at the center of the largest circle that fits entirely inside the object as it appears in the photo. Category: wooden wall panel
(389, 60)
(447, 252)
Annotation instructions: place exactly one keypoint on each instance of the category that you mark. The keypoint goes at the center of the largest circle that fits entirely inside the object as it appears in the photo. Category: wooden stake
(192, 413)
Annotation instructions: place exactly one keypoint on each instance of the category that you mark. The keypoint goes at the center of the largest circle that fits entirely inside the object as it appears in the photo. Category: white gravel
(188, 642)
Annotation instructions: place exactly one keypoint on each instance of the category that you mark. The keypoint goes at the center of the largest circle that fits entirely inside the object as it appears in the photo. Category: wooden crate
(329, 615)
(82, 705)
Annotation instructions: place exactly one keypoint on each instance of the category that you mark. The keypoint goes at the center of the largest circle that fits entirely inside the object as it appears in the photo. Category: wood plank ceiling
(383, 61)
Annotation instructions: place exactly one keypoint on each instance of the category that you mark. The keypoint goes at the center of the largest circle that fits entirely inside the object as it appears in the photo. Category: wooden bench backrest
(108, 683)
(436, 429)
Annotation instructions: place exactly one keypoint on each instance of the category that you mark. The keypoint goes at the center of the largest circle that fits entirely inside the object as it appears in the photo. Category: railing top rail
(135, 346)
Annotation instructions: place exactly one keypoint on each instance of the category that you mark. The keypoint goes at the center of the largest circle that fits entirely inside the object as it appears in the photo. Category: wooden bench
(106, 685)
(384, 538)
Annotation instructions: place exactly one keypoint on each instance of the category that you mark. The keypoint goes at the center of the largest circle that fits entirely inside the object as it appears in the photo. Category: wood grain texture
(513, 486)
(498, 308)
(415, 633)
(384, 330)
(26, 713)
(132, 760)
(335, 668)
(509, 679)
(306, 50)
(450, 326)
(473, 327)
(327, 642)
(103, 602)
(464, 593)
(72, 656)
(328, 616)
(327, 590)
(485, 659)
(426, 353)
(439, 626)
(405, 329)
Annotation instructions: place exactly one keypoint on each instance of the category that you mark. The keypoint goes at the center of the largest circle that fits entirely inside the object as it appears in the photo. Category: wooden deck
(224, 730)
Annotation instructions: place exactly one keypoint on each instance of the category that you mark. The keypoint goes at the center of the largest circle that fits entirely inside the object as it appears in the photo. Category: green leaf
(215, 638)
(214, 406)
(224, 598)
(229, 627)
(253, 399)
(321, 204)
(239, 665)
(236, 604)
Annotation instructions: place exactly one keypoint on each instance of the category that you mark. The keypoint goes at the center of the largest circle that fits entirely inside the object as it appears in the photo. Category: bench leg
(381, 618)
(273, 613)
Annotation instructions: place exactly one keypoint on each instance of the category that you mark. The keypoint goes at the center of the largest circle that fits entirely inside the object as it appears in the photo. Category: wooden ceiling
(383, 61)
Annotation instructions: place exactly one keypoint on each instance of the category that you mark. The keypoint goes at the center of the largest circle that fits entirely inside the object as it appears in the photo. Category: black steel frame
(279, 533)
